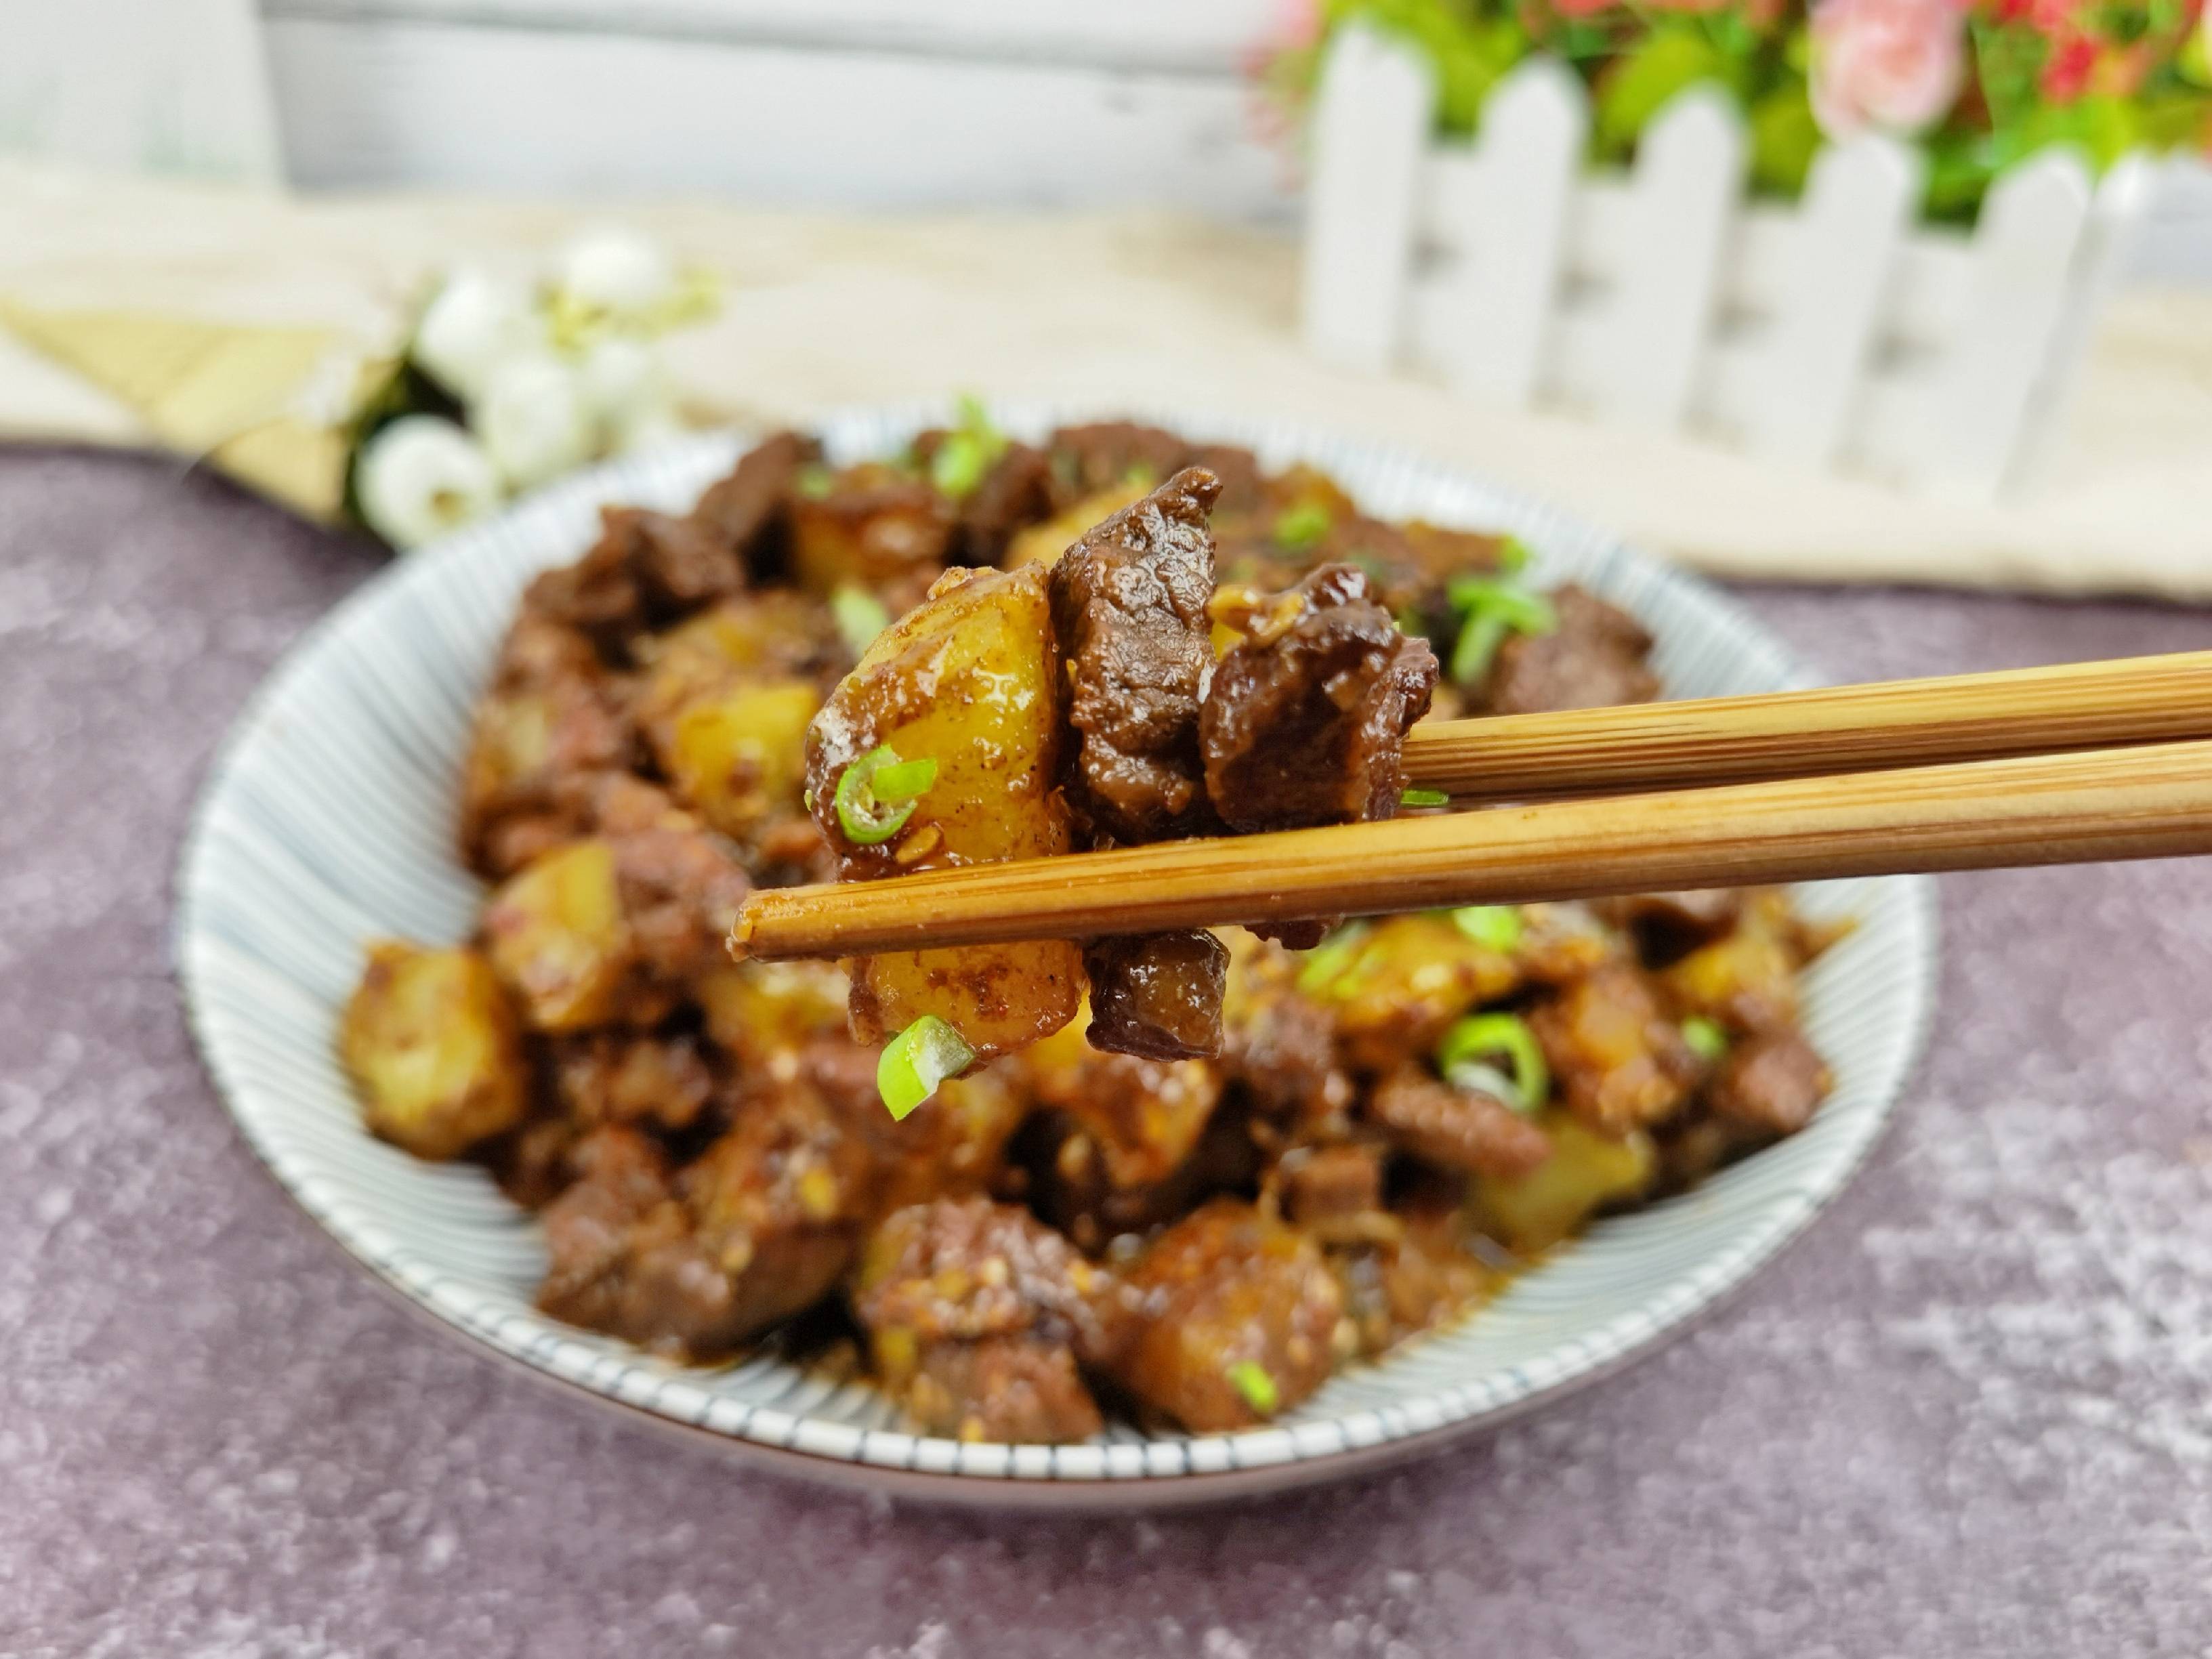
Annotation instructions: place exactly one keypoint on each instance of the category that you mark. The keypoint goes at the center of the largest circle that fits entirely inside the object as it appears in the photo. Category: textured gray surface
(1970, 1413)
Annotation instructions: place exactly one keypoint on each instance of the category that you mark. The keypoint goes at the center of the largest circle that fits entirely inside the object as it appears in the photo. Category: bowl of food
(1146, 1221)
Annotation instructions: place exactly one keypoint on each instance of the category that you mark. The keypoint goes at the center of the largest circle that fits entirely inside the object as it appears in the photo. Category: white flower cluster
(545, 381)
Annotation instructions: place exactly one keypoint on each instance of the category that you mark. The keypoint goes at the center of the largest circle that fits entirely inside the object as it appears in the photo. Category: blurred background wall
(874, 103)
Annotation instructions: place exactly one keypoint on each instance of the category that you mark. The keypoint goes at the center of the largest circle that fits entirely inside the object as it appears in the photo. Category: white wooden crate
(1833, 333)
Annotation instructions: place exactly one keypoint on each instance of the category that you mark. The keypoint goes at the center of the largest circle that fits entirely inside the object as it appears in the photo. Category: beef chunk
(1668, 926)
(623, 1256)
(1277, 1046)
(1769, 1083)
(1415, 1278)
(1620, 1062)
(1306, 719)
(551, 722)
(1128, 604)
(746, 511)
(1159, 995)
(1459, 1129)
(645, 569)
(1013, 494)
(977, 1315)
(1594, 657)
(1332, 1191)
(1238, 1321)
(1086, 459)
(680, 892)
(1244, 484)
(626, 1077)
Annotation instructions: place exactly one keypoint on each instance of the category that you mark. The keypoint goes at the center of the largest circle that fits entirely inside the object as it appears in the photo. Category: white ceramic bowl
(327, 821)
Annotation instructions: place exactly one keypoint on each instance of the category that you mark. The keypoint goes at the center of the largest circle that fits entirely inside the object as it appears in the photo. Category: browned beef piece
(1394, 1286)
(1015, 493)
(623, 1256)
(1332, 1191)
(1459, 1129)
(552, 721)
(1669, 925)
(1595, 657)
(1279, 1049)
(977, 1315)
(1086, 459)
(1239, 1316)
(746, 511)
(1620, 1062)
(1158, 996)
(1128, 604)
(680, 891)
(1120, 1144)
(632, 1077)
(1306, 719)
(645, 569)
(1769, 1083)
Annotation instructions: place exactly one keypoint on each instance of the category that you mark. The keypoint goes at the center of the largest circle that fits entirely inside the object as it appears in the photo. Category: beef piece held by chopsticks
(1129, 604)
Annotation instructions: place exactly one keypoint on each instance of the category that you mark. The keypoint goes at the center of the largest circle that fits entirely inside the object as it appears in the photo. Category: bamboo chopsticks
(2147, 800)
(1798, 734)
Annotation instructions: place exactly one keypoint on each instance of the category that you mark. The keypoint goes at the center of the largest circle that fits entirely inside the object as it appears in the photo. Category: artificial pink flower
(1894, 66)
(2066, 75)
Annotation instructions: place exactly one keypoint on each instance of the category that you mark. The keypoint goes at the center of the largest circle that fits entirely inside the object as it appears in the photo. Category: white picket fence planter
(1834, 332)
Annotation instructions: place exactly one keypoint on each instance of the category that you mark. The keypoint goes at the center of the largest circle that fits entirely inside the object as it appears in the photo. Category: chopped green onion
(917, 1060)
(815, 483)
(905, 782)
(1326, 963)
(860, 615)
(1423, 798)
(876, 796)
(1706, 1039)
(1492, 610)
(1299, 527)
(1252, 1381)
(1494, 927)
(1140, 476)
(1471, 1043)
(966, 453)
(1513, 556)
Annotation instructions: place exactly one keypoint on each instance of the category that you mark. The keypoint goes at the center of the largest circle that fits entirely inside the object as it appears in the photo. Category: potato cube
(739, 754)
(430, 1040)
(1586, 1171)
(557, 938)
(969, 681)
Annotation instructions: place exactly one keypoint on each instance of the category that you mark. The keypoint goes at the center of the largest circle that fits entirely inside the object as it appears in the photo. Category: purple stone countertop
(1970, 1413)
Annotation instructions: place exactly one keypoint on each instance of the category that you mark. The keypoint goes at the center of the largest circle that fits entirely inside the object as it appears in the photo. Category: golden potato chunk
(431, 1041)
(870, 525)
(739, 754)
(1043, 544)
(761, 1012)
(969, 682)
(1585, 1172)
(557, 938)
(1392, 988)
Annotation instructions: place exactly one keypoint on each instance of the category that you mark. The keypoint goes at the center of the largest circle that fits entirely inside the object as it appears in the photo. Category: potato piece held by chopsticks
(942, 747)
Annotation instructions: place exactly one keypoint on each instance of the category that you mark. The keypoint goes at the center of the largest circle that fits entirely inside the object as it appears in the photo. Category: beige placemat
(829, 309)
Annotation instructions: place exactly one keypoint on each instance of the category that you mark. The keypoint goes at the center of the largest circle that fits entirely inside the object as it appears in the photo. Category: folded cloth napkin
(232, 323)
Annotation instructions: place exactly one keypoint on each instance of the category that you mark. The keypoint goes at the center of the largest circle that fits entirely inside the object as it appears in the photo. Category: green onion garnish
(1423, 798)
(1493, 609)
(1326, 963)
(967, 453)
(1299, 527)
(917, 1060)
(1513, 556)
(1706, 1039)
(1470, 1044)
(877, 795)
(860, 615)
(815, 481)
(1140, 476)
(1252, 1381)
(1494, 926)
